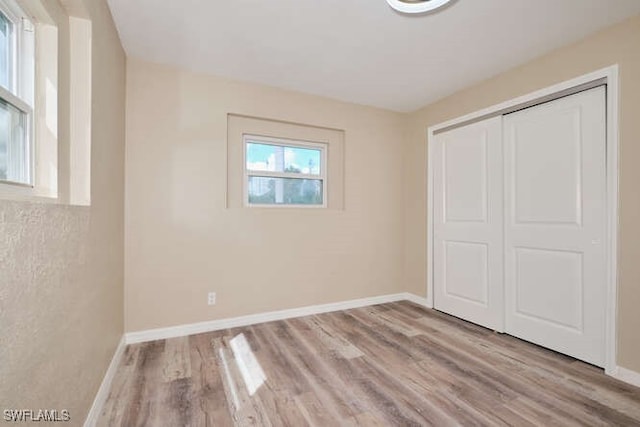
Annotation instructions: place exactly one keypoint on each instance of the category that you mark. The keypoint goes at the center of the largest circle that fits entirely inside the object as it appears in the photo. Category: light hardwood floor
(391, 364)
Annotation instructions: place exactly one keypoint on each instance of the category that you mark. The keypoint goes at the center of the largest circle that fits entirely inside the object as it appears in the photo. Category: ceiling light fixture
(416, 6)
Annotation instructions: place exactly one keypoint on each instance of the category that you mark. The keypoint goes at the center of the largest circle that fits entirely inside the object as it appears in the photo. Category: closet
(519, 223)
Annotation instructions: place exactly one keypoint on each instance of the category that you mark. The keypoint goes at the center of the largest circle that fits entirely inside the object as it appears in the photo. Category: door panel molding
(468, 265)
(555, 175)
(483, 298)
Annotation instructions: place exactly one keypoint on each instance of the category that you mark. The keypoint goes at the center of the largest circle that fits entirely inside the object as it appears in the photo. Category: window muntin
(16, 89)
(284, 173)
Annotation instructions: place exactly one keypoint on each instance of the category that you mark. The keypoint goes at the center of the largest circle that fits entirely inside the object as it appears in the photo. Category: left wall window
(16, 95)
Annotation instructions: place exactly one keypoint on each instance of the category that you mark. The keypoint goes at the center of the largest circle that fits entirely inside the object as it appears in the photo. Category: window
(323, 182)
(16, 94)
(281, 172)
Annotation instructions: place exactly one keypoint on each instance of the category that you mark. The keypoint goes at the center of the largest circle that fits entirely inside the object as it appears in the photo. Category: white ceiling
(359, 51)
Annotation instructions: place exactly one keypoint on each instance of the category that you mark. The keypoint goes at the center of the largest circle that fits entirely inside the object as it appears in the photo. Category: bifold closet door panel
(555, 193)
(467, 223)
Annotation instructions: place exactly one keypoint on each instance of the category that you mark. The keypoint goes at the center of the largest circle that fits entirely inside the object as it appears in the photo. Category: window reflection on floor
(249, 367)
(229, 377)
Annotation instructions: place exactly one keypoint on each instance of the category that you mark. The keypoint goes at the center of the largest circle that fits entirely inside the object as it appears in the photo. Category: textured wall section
(62, 267)
(43, 253)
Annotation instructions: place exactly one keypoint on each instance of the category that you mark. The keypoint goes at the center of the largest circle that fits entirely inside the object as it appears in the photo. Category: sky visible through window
(5, 50)
(275, 158)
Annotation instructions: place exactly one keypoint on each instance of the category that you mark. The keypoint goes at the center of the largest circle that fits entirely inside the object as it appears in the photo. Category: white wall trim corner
(626, 375)
(425, 302)
(613, 201)
(429, 219)
(252, 319)
(611, 76)
(105, 387)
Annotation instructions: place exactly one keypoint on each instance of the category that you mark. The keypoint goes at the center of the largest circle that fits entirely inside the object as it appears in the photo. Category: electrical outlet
(211, 299)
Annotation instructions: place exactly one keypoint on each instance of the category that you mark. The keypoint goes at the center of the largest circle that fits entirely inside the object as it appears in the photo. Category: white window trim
(19, 92)
(284, 142)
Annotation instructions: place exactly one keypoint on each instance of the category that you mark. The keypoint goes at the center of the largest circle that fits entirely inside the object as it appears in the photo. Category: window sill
(22, 193)
(256, 206)
(25, 193)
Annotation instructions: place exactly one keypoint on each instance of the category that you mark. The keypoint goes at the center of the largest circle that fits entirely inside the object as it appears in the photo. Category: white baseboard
(252, 319)
(105, 387)
(626, 375)
(425, 302)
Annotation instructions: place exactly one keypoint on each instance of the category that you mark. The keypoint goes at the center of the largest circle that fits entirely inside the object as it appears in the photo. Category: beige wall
(617, 45)
(61, 267)
(181, 240)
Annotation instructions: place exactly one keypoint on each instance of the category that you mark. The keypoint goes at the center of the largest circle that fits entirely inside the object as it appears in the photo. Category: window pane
(264, 157)
(305, 160)
(5, 51)
(284, 191)
(276, 158)
(14, 152)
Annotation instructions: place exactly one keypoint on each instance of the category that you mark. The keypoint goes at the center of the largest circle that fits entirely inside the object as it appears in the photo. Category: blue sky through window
(275, 158)
(5, 50)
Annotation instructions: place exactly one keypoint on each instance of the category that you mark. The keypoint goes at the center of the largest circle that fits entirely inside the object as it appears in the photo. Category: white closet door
(555, 183)
(467, 226)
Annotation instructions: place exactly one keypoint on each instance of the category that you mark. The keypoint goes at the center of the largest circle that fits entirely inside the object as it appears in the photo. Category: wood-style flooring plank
(394, 364)
(210, 404)
(121, 387)
(176, 359)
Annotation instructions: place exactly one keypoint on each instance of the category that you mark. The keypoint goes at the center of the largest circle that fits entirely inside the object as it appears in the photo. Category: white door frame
(611, 77)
